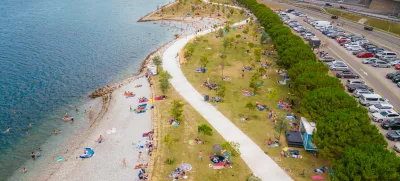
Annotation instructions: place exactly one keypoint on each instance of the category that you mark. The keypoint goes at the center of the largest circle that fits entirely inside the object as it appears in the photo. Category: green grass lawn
(203, 10)
(259, 128)
(181, 151)
(377, 23)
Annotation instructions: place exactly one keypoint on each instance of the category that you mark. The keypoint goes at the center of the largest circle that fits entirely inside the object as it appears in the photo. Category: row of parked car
(363, 49)
(379, 107)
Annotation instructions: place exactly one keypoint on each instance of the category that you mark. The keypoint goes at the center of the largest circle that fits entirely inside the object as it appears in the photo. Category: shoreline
(143, 19)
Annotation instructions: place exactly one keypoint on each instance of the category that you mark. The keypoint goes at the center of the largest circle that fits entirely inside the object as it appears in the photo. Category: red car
(397, 66)
(343, 40)
(365, 55)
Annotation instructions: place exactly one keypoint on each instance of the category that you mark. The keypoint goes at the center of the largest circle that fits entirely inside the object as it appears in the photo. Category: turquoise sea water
(53, 53)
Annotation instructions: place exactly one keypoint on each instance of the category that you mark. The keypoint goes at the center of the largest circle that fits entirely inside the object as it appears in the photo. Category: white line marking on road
(364, 72)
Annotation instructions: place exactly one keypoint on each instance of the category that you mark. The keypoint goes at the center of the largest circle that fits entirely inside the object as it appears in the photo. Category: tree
(257, 53)
(188, 52)
(212, 9)
(255, 82)
(177, 109)
(164, 81)
(250, 106)
(251, 45)
(261, 71)
(193, 8)
(344, 128)
(221, 91)
(223, 57)
(367, 163)
(226, 43)
(294, 55)
(227, 27)
(309, 81)
(281, 125)
(238, 36)
(246, 30)
(204, 129)
(220, 33)
(203, 61)
(168, 141)
(307, 66)
(157, 60)
(231, 11)
(320, 102)
(241, 12)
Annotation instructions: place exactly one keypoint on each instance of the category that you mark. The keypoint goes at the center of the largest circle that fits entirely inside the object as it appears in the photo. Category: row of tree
(344, 133)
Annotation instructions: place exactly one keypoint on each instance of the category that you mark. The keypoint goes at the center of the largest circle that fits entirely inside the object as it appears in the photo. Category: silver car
(369, 60)
(382, 64)
(396, 147)
(357, 93)
(339, 67)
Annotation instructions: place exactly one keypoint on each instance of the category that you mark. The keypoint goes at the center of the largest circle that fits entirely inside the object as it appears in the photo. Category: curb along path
(261, 164)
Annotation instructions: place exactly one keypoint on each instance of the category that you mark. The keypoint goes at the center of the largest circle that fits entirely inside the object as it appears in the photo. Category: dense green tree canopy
(320, 102)
(343, 128)
(294, 55)
(309, 81)
(367, 163)
(307, 66)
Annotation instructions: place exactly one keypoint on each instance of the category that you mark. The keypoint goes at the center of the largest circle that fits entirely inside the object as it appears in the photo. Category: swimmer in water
(76, 108)
(7, 130)
(66, 114)
(54, 132)
(30, 124)
(27, 131)
(24, 170)
(33, 156)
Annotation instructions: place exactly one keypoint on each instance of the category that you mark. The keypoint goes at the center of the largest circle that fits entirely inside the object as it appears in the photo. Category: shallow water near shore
(53, 53)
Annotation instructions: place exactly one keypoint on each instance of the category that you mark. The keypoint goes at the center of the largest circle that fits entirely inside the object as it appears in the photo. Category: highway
(379, 38)
(375, 77)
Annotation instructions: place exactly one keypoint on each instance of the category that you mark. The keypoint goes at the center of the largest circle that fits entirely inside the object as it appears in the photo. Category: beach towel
(89, 153)
(59, 159)
(317, 177)
(186, 167)
(175, 124)
(219, 165)
(317, 170)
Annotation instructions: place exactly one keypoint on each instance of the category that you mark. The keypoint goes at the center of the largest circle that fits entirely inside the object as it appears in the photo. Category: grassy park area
(174, 148)
(378, 23)
(197, 8)
(241, 47)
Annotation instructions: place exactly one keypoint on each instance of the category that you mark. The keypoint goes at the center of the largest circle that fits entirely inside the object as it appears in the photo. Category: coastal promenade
(261, 164)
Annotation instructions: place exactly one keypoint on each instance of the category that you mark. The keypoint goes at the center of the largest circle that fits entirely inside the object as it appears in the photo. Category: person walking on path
(139, 156)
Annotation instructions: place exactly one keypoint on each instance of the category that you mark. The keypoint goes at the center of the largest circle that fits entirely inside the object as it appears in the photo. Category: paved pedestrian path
(261, 164)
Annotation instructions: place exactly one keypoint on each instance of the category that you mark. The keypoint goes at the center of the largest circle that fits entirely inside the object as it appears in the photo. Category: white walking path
(261, 165)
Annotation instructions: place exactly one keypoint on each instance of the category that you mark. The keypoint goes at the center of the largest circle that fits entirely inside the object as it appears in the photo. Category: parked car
(369, 60)
(334, 17)
(396, 79)
(380, 107)
(358, 52)
(397, 67)
(385, 115)
(353, 48)
(327, 59)
(354, 81)
(357, 93)
(352, 87)
(391, 124)
(398, 84)
(347, 74)
(342, 7)
(339, 67)
(382, 64)
(368, 28)
(376, 50)
(328, 4)
(396, 147)
(365, 55)
(386, 54)
(335, 62)
(393, 135)
(369, 46)
(394, 62)
(392, 74)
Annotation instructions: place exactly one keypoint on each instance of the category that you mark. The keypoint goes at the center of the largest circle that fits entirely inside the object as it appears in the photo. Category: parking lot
(374, 77)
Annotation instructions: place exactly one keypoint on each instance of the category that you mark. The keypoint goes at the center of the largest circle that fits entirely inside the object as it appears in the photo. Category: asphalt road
(377, 37)
(371, 75)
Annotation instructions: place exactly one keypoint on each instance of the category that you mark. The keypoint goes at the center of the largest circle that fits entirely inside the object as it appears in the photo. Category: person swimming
(7, 130)
(33, 156)
(24, 170)
(54, 132)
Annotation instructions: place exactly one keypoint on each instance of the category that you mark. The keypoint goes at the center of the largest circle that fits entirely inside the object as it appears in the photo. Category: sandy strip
(107, 164)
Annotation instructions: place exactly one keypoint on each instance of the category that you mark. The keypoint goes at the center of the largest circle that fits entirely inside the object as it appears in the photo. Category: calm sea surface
(53, 53)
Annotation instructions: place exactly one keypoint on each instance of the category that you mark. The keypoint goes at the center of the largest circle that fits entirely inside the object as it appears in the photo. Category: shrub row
(344, 134)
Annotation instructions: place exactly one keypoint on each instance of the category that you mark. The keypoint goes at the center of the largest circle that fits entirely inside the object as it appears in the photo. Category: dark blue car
(376, 50)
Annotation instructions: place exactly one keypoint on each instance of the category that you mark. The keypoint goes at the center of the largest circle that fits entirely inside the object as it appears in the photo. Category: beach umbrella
(217, 148)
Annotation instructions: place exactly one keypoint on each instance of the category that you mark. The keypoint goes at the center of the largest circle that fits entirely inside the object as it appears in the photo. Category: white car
(351, 44)
(354, 48)
(395, 62)
(385, 115)
(339, 67)
(369, 60)
(380, 107)
(302, 15)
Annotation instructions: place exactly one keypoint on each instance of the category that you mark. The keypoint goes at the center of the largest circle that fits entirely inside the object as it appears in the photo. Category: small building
(306, 130)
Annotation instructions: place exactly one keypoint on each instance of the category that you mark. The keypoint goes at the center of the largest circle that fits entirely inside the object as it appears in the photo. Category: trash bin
(206, 97)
